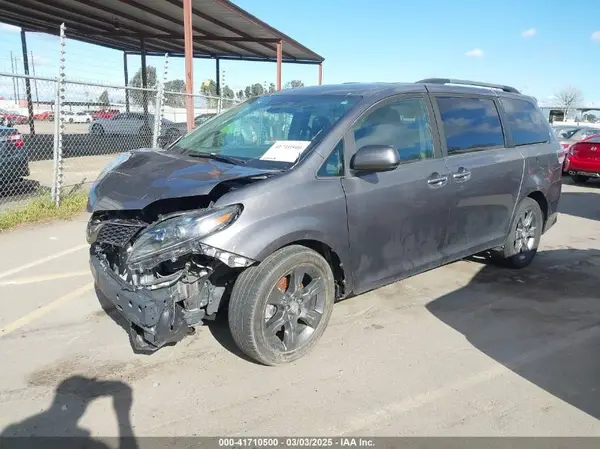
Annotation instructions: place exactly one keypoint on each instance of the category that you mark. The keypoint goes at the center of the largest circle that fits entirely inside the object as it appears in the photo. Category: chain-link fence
(77, 128)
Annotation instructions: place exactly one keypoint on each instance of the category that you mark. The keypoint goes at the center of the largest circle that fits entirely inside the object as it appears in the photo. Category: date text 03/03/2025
(294, 442)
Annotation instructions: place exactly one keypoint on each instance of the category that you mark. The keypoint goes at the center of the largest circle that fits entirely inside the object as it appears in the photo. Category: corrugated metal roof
(221, 29)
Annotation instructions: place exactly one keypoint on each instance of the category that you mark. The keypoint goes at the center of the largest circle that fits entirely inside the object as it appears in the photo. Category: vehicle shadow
(219, 328)
(581, 204)
(21, 188)
(112, 312)
(542, 322)
(58, 426)
(41, 146)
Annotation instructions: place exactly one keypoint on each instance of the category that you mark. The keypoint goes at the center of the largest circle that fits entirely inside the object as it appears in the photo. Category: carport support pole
(218, 76)
(144, 76)
(279, 61)
(27, 82)
(126, 74)
(189, 59)
(218, 84)
(320, 74)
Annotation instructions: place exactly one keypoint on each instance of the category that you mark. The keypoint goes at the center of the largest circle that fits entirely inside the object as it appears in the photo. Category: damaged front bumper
(154, 316)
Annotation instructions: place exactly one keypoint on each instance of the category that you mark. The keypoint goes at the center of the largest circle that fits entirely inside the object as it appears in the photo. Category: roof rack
(468, 83)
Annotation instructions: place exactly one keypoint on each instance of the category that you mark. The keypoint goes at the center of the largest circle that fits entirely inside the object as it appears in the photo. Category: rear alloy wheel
(280, 308)
(145, 131)
(580, 179)
(170, 136)
(524, 236)
(97, 129)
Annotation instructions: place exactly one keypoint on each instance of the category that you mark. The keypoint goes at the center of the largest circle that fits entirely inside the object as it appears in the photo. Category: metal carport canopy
(221, 29)
(217, 29)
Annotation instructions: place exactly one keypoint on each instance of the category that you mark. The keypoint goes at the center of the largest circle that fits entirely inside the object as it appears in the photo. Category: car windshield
(566, 133)
(267, 132)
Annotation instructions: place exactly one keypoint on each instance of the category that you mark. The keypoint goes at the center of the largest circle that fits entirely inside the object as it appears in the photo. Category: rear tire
(98, 130)
(524, 236)
(580, 179)
(170, 136)
(279, 309)
(145, 131)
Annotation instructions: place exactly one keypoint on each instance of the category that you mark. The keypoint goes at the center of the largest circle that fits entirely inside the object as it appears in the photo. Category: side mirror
(375, 158)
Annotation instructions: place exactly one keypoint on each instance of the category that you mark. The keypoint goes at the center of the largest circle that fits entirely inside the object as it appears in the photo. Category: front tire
(580, 179)
(279, 309)
(524, 236)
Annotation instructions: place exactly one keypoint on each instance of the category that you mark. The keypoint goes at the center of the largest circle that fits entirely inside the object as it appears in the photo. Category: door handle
(437, 180)
(462, 175)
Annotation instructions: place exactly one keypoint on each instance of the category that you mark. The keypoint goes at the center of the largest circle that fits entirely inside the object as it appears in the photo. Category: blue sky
(537, 46)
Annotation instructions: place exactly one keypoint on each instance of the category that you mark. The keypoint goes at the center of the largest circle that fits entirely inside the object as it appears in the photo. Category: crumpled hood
(150, 175)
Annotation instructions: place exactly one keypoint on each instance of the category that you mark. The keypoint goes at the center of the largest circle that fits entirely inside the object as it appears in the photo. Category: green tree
(103, 98)
(271, 88)
(293, 84)
(228, 97)
(209, 89)
(254, 90)
(175, 93)
(137, 96)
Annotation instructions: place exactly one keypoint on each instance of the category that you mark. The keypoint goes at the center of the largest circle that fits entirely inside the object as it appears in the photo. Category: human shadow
(581, 204)
(542, 322)
(57, 427)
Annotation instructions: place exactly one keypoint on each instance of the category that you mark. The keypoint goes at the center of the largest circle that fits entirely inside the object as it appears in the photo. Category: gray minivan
(276, 209)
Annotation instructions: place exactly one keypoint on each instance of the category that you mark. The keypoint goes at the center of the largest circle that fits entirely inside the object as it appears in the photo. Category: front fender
(256, 238)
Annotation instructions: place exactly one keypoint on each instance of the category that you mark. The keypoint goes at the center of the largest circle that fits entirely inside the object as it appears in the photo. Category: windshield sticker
(285, 150)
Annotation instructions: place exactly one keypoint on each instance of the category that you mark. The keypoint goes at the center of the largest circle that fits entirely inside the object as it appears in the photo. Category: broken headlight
(179, 235)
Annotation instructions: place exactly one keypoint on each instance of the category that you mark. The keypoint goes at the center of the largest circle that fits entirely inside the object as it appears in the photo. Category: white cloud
(475, 53)
(529, 33)
(6, 28)
(596, 35)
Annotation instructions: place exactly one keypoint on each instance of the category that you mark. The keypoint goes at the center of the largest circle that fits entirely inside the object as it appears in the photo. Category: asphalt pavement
(467, 349)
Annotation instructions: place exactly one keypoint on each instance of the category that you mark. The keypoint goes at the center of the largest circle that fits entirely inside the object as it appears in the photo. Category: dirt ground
(467, 349)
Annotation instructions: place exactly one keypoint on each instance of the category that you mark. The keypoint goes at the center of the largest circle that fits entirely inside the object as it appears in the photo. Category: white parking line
(38, 313)
(42, 261)
(50, 277)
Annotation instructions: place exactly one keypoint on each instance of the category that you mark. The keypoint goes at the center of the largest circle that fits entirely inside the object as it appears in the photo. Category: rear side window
(470, 124)
(527, 124)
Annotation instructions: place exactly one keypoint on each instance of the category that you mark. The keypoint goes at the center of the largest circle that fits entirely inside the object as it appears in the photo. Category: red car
(13, 117)
(46, 115)
(105, 113)
(583, 159)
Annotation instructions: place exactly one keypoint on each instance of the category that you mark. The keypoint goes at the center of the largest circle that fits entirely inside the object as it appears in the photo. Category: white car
(127, 124)
(77, 117)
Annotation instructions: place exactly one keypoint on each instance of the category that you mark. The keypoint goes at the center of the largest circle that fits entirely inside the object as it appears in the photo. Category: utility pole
(18, 97)
(37, 98)
(14, 80)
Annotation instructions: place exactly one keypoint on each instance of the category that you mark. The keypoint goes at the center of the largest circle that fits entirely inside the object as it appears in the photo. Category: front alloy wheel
(280, 308)
(294, 308)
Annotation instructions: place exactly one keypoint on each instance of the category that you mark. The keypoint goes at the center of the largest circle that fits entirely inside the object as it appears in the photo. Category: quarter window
(403, 125)
(334, 164)
(470, 124)
(527, 124)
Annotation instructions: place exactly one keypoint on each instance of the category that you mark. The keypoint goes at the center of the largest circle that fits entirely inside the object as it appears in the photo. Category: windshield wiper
(218, 157)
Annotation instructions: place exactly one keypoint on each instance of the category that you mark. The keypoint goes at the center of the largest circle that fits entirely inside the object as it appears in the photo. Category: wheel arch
(320, 244)
(541, 199)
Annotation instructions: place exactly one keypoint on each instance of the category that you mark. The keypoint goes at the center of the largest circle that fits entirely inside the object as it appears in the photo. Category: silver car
(128, 124)
(278, 208)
